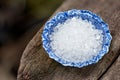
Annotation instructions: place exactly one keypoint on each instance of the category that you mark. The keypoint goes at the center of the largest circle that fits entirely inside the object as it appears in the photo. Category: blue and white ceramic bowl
(61, 17)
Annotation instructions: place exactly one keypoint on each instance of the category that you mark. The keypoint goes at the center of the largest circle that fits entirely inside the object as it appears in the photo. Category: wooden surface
(114, 71)
(36, 65)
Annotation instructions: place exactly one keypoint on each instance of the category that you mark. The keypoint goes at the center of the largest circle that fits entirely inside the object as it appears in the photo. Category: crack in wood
(114, 60)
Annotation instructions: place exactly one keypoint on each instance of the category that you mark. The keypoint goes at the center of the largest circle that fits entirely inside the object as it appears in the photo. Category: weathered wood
(114, 72)
(36, 65)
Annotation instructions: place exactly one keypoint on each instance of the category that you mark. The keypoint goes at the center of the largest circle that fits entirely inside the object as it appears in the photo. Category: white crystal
(76, 40)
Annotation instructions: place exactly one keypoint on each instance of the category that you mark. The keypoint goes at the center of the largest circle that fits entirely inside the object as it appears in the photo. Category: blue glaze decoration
(60, 18)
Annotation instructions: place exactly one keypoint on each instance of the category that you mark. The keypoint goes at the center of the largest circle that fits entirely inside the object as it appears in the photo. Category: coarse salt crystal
(76, 40)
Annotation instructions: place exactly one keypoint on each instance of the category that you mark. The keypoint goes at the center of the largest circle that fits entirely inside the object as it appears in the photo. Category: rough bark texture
(36, 65)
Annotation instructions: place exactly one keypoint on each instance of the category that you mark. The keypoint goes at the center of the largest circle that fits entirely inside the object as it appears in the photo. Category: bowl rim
(61, 17)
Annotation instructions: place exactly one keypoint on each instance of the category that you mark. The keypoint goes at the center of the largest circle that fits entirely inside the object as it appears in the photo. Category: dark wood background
(36, 65)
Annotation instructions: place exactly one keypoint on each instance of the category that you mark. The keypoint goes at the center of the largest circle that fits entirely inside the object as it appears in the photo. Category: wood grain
(36, 65)
(114, 71)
